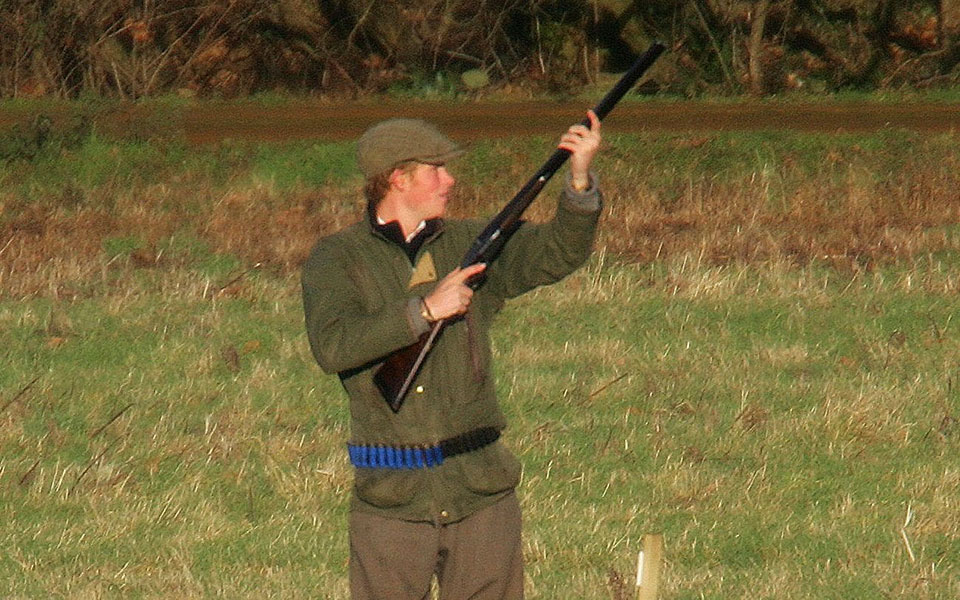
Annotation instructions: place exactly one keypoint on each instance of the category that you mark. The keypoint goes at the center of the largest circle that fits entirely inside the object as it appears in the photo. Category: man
(434, 486)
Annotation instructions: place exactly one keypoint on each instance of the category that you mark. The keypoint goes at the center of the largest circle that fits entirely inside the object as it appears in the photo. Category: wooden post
(648, 567)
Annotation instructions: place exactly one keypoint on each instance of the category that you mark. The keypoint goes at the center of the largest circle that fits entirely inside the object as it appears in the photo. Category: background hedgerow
(233, 48)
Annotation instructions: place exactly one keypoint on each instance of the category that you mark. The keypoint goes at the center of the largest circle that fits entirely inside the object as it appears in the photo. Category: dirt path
(210, 122)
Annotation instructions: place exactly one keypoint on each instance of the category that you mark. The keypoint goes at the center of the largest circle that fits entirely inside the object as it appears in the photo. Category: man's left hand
(582, 143)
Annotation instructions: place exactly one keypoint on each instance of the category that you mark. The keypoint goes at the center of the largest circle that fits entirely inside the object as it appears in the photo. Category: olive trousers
(478, 558)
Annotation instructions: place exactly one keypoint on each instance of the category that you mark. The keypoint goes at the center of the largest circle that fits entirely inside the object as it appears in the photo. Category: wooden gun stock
(396, 375)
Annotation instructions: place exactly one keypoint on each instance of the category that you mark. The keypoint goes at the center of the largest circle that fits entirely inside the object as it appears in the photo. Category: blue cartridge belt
(381, 456)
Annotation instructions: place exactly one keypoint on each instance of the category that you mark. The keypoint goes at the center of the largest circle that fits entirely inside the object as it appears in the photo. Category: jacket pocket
(490, 470)
(385, 488)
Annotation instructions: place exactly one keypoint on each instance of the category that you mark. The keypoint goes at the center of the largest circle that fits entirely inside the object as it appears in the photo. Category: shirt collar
(423, 225)
(391, 231)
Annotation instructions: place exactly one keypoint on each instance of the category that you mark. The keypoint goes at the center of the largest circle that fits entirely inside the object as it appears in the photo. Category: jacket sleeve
(541, 254)
(345, 334)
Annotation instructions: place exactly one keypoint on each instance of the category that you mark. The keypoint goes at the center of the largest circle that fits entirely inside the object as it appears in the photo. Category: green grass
(92, 168)
(767, 374)
(776, 425)
(159, 458)
(766, 434)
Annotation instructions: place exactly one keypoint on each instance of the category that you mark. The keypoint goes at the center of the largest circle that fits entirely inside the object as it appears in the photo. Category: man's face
(428, 186)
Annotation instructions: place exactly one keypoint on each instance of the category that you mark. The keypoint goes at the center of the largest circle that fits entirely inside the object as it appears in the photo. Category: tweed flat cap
(394, 141)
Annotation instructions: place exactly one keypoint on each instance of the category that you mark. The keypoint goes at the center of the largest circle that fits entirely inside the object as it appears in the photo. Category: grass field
(760, 362)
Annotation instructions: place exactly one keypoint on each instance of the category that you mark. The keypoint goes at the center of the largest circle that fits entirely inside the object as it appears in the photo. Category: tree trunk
(757, 23)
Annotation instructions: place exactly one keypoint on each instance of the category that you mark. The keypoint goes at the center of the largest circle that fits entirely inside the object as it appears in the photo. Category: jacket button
(419, 389)
(444, 514)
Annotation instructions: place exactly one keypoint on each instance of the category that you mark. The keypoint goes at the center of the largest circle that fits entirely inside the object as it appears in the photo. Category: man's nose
(448, 178)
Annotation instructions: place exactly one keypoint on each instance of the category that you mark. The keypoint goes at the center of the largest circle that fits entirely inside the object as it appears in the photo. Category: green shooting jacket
(360, 307)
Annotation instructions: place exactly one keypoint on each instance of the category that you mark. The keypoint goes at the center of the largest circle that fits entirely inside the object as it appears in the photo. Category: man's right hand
(452, 295)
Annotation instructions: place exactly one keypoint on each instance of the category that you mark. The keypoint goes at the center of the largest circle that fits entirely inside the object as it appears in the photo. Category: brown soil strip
(210, 122)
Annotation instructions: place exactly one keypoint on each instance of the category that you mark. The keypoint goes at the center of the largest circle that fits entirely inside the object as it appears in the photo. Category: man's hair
(376, 187)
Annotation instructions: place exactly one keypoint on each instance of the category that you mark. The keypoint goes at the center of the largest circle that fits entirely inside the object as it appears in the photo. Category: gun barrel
(396, 375)
(480, 250)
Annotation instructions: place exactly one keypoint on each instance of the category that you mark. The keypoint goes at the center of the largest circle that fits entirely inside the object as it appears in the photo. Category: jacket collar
(392, 233)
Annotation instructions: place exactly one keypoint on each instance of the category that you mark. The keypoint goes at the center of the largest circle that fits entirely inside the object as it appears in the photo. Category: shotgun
(397, 373)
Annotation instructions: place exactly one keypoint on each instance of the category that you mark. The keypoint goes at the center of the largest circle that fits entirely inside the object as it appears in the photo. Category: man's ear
(398, 179)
